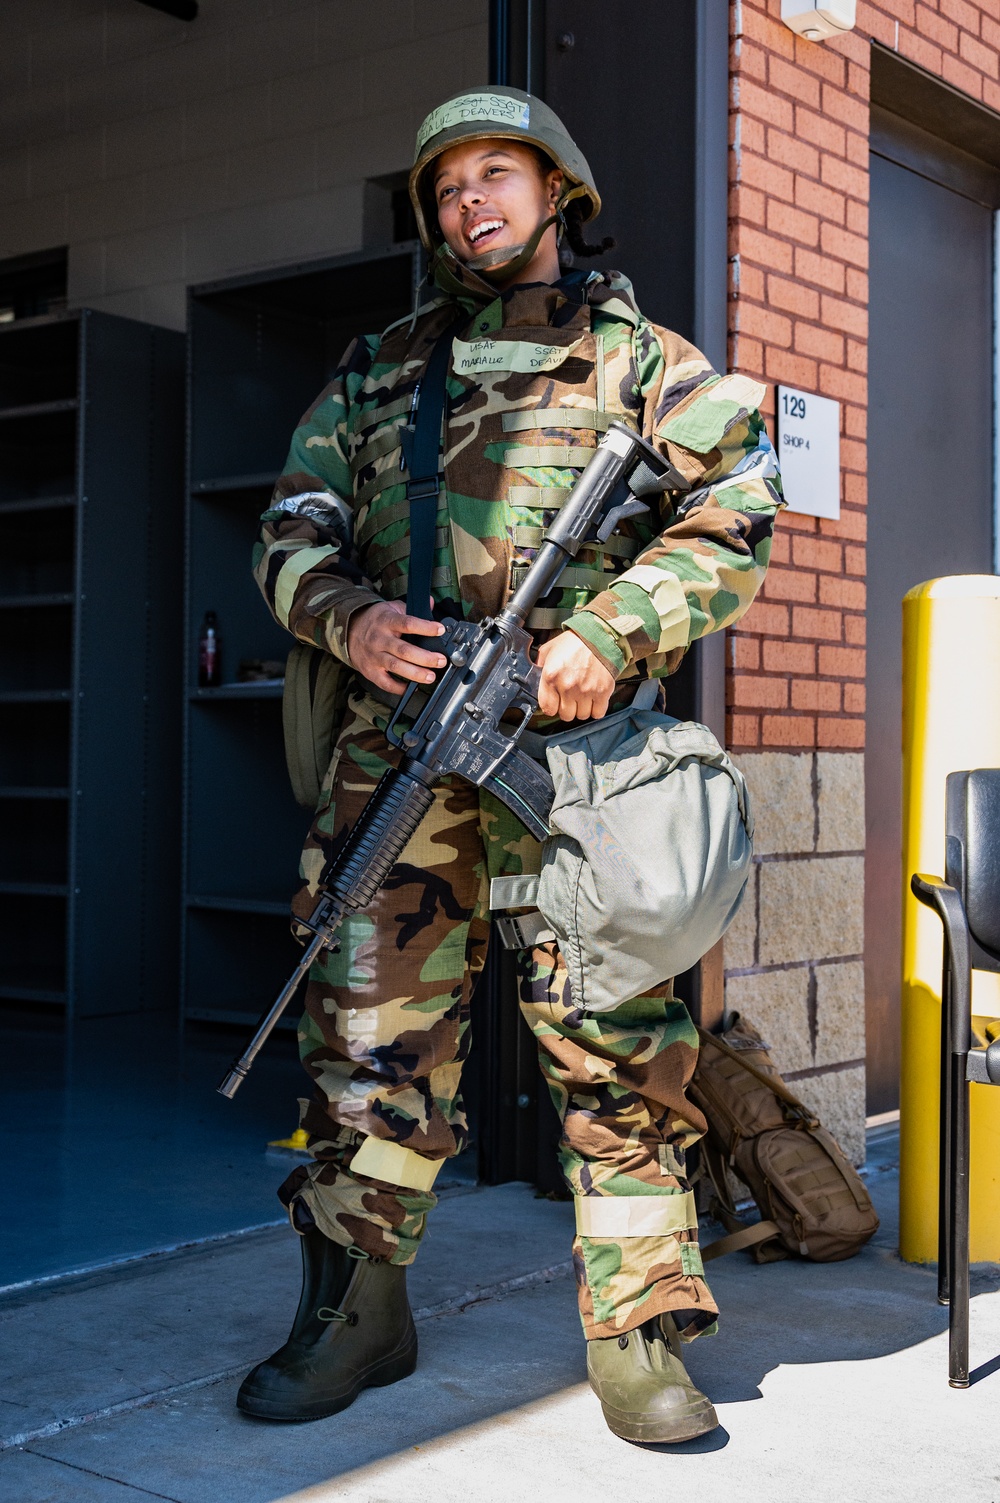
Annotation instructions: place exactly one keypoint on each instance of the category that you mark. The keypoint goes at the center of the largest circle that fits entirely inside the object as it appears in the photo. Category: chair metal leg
(959, 1000)
(956, 1040)
(958, 1313)
(945, 1137)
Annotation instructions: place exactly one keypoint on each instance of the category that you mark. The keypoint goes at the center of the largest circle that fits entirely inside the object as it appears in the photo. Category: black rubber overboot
(353, 1330)
(643, 1386)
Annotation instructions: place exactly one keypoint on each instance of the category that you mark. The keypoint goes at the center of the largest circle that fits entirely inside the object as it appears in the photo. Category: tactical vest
(535, 380)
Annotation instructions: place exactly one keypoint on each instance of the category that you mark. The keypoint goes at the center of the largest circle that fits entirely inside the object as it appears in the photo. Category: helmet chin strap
(508, 260)
(498, 266)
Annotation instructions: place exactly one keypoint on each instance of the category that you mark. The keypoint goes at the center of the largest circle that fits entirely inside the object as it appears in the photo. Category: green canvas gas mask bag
(648, 858)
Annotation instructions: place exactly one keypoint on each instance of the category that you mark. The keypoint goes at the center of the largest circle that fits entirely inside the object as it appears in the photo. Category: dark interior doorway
(930, 462)
(33, 285)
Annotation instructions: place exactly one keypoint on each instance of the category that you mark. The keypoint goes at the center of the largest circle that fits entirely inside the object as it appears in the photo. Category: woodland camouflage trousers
(386, 1030)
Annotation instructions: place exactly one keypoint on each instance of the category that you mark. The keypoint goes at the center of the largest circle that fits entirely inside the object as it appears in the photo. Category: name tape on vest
(479, 356)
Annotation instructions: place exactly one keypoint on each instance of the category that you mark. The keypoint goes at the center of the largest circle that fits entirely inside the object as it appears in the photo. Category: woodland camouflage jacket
(536, 376)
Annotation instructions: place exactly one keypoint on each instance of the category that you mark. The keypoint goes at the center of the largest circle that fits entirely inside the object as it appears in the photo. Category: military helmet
(500, 113)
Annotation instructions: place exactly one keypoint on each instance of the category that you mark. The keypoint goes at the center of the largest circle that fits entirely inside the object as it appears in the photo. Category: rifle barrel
(240, 1068)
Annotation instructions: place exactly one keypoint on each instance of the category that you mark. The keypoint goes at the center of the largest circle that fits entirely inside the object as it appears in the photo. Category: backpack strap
(723, 1209)
(748, 1236)
(421, 443)
(773, 1082)
(646, 694)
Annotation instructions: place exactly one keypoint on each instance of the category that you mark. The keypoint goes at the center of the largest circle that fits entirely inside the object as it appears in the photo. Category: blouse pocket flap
(711, 414)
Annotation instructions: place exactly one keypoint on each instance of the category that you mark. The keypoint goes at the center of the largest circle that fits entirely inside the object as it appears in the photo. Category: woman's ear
(555, 187)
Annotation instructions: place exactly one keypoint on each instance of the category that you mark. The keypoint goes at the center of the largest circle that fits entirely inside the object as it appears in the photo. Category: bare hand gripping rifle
(460, 727)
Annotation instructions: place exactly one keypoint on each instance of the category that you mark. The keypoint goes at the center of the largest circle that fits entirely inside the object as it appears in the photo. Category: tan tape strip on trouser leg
(396, 1165)
(635, 1215)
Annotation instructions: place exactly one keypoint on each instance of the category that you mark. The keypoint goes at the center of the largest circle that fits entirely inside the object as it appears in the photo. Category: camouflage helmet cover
(500, 113)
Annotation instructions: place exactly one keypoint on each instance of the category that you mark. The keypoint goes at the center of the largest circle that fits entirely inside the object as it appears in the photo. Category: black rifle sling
(422, 453)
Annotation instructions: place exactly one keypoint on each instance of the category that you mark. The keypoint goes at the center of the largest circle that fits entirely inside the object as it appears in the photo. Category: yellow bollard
(951, 722)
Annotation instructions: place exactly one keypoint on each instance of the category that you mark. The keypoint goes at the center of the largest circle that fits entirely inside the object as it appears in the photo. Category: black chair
(967, 901)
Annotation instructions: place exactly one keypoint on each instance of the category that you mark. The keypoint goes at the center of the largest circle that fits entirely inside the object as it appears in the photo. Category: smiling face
(491, 195)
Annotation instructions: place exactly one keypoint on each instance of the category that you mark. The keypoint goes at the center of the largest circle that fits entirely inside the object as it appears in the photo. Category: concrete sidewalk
(830, 1380)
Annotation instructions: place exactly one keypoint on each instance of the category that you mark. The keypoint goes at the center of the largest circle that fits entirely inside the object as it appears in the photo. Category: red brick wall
(798, 315)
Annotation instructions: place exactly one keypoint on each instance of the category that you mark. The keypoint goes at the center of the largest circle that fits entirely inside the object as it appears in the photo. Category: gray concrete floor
(830, 1380)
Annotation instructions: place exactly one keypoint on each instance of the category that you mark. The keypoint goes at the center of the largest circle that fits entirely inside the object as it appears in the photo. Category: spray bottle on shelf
(209, 663)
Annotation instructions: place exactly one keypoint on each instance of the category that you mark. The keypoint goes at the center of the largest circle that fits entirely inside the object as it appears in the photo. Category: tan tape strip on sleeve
(396, 1165)
(291, 571)
(634, 1215)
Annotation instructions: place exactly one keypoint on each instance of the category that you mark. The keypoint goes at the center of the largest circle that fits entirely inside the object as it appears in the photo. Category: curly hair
(573, 222)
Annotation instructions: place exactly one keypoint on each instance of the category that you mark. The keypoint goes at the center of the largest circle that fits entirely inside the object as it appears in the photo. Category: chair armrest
(926, 888)
(983, 1065)
(935, 893)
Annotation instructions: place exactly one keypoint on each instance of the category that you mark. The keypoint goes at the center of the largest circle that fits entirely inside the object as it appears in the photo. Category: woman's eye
(444, 194)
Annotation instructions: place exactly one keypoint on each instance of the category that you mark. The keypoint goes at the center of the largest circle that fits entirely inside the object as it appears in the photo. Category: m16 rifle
(461, 728)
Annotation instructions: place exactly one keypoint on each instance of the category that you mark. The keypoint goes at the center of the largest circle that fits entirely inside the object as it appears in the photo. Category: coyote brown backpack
(811, 1200)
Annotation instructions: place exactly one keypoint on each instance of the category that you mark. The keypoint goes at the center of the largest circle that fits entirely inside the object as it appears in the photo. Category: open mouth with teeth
(485, 232)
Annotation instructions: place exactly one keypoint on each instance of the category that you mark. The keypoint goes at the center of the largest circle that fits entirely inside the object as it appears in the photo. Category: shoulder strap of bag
(645, 696)
(422, 448)
(748, 1236)
(773, 1082)
(740, 1235)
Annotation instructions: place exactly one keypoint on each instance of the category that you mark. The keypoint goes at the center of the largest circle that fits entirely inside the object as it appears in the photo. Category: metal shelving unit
(260, 349)
(90, 472)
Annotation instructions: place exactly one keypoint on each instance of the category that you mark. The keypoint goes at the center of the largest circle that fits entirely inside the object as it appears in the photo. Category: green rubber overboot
(353, 1330)
(643, 1387)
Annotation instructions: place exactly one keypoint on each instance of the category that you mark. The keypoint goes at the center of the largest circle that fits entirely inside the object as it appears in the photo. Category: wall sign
(809, 452)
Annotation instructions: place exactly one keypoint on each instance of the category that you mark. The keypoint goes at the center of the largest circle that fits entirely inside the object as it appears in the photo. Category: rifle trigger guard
(390, 731)
(527, 711)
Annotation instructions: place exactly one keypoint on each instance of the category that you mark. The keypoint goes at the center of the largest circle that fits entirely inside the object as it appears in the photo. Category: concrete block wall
(165, 153)
(799, 123)
(794, 957)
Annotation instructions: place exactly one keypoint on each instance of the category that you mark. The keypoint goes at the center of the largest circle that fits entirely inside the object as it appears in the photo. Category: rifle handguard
(378, 839)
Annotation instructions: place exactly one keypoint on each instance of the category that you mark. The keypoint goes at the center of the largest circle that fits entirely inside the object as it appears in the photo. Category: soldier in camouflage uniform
(542, 363)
